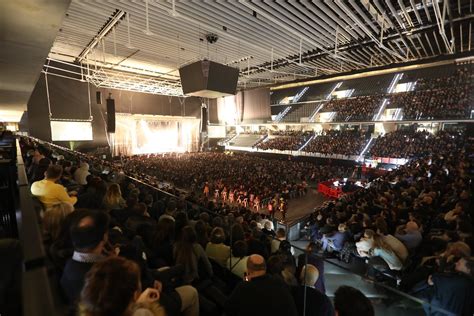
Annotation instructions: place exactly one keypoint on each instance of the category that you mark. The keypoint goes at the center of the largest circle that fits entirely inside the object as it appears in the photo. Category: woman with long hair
(53, 220)
(113, 198)
(192, 256)
(383, 258)
(112, 287)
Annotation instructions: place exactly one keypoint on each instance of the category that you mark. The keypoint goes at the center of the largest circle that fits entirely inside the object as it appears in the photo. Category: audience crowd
(121, 249)
(292, 142)
(238, 178)
(338, 142)
(413, 225)
(360, 108)
(410, 143)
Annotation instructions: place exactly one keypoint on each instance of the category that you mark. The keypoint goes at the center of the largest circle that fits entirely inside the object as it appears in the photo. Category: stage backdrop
(146, 134)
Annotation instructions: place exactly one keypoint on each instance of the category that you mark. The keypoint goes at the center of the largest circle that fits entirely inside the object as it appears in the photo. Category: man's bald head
(256, 264)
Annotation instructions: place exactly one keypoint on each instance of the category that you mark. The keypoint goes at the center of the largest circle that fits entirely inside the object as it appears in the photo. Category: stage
(301, 207)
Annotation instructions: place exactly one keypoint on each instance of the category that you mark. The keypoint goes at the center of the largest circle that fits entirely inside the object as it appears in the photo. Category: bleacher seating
(245, 140)
(299, 111)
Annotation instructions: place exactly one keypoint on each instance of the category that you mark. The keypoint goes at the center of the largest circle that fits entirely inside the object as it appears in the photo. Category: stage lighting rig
(211, 38)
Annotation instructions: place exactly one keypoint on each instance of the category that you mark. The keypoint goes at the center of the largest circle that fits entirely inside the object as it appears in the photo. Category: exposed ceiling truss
(270, 41)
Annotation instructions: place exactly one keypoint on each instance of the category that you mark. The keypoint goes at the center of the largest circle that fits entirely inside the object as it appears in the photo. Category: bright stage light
(149, 134)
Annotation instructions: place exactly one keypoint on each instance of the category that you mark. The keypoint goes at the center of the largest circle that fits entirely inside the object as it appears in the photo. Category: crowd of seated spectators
(127, 251)
(251, 181)
(291, 141)
(409, 143)
(338, 142)
(360, 108)
(445, 97)
(413, 225)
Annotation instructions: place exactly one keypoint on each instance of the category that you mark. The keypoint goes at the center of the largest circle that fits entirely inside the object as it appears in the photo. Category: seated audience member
(453, 292)
(139, 217)
(365, 243)
(335, 241)
(163, 240)
(40, 169)
(397, 246)
(170, 211)
(349, 301)
(247, 297)
(89, 234)
(312, 259)
(53, 220)
(81, 173)
(191, 255)
(216, 249)
(383, 258)
(113, 198)
(93, 197)
(317, 303)
(280, 235)
(49, 192)
(237, 264)
(112, 287)
(410, 235)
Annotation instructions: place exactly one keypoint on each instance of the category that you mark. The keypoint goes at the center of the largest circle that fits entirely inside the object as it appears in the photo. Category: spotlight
(212, 38)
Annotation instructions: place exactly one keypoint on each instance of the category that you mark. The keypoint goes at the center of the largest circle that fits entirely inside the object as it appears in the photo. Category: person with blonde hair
(113, 198)
(383, 258)
(53, 219)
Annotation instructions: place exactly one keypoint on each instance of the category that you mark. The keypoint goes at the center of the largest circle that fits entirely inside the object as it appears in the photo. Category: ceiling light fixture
(147, 30)
(129, 44)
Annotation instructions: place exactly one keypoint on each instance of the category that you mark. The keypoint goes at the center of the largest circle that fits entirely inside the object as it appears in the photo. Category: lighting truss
(102, 77)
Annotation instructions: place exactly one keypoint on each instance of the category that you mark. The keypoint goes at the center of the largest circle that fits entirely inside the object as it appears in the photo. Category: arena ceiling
(139, 45)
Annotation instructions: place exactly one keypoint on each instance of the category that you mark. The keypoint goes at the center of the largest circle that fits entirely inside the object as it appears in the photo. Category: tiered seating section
(360, 108)
(410, 143)
(441, 93)
(347, 142)
(286, 141)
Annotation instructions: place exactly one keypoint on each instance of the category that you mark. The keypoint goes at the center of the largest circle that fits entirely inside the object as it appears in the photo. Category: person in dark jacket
(313, 259)
(317, 303)
(248, 297)
(349, 301)
(453, 292)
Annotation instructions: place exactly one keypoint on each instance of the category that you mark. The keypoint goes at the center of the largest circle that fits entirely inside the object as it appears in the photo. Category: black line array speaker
(110, 115)
(204, 119)
(208, 79)
(98, 97)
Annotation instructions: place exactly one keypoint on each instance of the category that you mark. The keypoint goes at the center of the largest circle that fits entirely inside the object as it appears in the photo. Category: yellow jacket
(50, 193)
